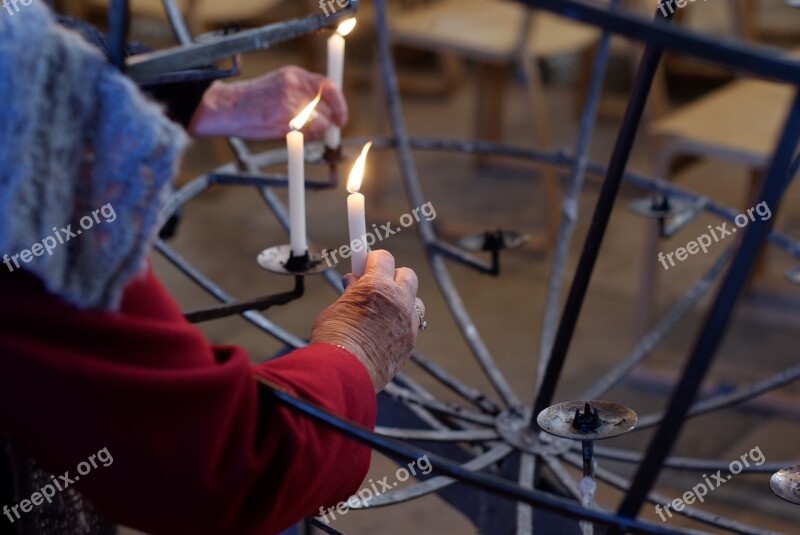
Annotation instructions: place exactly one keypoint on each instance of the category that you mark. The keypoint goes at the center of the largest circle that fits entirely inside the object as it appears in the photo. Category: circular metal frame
(495, 428)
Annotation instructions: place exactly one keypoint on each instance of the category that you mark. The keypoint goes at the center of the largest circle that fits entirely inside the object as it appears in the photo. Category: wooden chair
(738, 123)
(497, 36)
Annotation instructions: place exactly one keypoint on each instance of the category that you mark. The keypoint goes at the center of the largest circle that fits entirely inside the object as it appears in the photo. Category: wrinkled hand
(261, 108)
(375, 318)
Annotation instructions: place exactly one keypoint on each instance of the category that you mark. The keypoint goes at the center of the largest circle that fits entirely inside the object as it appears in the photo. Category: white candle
(356, 215)
(333, 136)
(295, 143)
(297, 194)
(357, 222)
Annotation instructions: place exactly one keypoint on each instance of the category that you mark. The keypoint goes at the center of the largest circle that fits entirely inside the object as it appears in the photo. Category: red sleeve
(196, 447)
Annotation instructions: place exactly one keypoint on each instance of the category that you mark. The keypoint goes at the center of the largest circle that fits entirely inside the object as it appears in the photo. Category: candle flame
(346, 27)
(357, 174)
(302, 118)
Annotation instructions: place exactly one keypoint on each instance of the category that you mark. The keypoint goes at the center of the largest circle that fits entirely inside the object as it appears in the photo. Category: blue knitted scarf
(78, 140)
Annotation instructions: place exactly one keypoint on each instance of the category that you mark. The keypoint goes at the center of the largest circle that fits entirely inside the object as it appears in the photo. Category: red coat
(195, 448)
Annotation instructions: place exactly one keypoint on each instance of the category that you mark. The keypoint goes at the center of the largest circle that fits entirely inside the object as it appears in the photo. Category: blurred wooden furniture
(494, 34)
(448, 76)
(498, 36)
(738, 123)
(775, 23)
(731, 19)
(200, 14)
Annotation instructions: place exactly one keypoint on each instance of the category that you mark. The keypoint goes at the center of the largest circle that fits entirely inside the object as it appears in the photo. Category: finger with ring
(419, 307)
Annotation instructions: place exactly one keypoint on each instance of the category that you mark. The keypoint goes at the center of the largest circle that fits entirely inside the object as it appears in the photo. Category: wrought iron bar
(714, 327)
(687, 463)
(440, 464)
(471, 394)
(239, 307)
(569, 205)
(563, 476)
(693, 513)
(264, 181)
(729, 399)
(443, 408)
(145, 67)
(319, 524)
(758, 60)
(558, 159)
(206, 284)
(667, 323)
(178, 23)
(118, 22)
(432, 435)
(425, 228)
(594, 240)
(497, 453)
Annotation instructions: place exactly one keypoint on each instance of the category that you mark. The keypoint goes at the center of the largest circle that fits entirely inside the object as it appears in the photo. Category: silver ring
(422, 323)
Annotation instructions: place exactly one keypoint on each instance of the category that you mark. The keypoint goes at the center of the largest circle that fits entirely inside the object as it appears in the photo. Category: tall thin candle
(356, 215)
(333, 136)
(295, 143)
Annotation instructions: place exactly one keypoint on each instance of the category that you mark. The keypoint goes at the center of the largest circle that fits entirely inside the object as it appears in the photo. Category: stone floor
(223, 231)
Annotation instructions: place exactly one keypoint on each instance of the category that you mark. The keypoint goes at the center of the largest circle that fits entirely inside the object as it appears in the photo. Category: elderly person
(102, 381)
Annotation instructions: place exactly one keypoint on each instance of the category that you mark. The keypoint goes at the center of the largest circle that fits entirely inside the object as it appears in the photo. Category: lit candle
(295, 142)
(333, 136)
(356, 215)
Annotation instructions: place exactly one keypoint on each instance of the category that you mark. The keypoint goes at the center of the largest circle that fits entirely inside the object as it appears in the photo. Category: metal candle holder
(281, 261)
(598, 420)
(672, 214)
(786, 484)
(494, 242)
(333, 156)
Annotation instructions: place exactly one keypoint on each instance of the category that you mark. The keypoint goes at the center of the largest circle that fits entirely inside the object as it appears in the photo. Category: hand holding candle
(295, 143)
(356, 214)
(333, 136)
